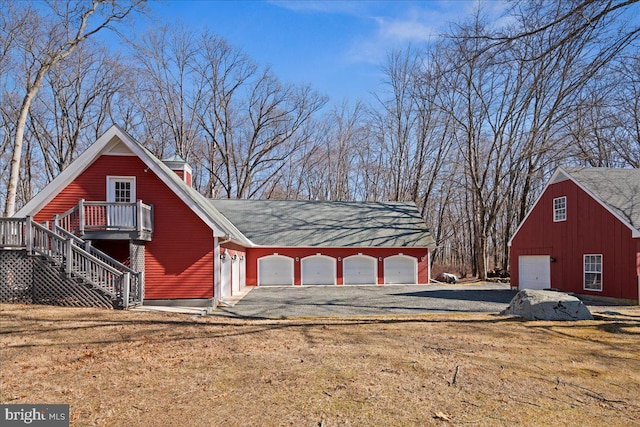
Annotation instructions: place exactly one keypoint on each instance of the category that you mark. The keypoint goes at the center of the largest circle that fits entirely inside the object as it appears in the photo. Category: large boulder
(547, 305)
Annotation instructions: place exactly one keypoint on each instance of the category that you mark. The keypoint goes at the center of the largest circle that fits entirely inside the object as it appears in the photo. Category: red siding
(179, 259)
(185, 176)
(253, 254)
(589, 229)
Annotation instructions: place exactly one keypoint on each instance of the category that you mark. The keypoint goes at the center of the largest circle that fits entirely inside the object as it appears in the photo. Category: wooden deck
(106, 220)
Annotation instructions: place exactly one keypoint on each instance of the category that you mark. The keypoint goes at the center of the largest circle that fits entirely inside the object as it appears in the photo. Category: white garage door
(275, 270)
(534, 272)
(225, 276)
(318, 270)
(360, 270)
(400, 269)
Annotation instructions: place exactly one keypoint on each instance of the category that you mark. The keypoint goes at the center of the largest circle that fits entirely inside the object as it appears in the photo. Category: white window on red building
(593, 272)
(560, 209)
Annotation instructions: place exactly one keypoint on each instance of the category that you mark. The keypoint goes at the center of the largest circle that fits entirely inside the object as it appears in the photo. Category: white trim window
(560, 209)
(121, 189)
(593, 272)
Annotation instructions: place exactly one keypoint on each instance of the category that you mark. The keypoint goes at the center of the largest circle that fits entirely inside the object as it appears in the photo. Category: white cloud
(417, 23)
(404, 30)
(322, 6)
(413, 26)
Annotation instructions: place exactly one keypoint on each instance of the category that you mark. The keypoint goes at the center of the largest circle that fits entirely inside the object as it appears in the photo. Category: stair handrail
(93, 250)
(80, 262)
(135, 291)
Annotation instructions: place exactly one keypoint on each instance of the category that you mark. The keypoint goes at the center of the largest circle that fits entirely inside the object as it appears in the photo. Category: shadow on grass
(488, 295)
(583, 331)
(159, 330)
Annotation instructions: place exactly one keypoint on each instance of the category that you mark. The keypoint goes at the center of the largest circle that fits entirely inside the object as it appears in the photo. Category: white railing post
(126, 283)
(139, 216)
(56, 223)
(81, 218)
(28, 235)
(69, 255)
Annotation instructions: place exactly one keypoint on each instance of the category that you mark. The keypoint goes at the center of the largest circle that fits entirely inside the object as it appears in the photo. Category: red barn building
(582, 235)
(144, 213)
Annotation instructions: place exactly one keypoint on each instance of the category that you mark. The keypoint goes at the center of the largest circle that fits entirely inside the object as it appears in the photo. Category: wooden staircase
(75, 258)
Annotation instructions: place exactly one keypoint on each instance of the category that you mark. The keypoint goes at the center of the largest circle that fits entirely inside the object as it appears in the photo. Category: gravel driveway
(281, 302)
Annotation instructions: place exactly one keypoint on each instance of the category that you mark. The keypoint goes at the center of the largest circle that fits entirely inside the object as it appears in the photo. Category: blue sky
(335, 46)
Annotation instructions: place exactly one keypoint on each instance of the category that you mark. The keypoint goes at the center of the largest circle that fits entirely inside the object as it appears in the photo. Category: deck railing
(12, 232)
(66, 252)
(107, 216)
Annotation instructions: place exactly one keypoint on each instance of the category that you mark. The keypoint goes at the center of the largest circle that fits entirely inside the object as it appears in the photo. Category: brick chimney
(180, 167)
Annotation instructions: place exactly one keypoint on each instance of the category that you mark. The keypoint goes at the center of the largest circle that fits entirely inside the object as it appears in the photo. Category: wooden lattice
(16, 277)
(136, 256)
(33, 279)
(52, 286)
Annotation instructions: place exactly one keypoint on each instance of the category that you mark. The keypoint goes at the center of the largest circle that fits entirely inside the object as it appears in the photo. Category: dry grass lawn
(120, 368)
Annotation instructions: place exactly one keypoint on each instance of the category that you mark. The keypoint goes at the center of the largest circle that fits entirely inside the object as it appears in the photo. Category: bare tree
(70, 109)
(328, 166)
(257, 130)
(170, 93)
(567, 20)
(226, 72)
(46, 41)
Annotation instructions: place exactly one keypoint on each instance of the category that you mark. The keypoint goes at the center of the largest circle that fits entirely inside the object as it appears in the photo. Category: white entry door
(534, 272)
(225, 276)
(275, 270)
(235, 274)
(360, 270)
(243, 272)
(318, 270)
(121, 189)
(401, 269)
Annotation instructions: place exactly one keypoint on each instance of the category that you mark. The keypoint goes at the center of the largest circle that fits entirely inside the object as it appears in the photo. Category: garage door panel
(318, 270)
(400, 269)
(275, 271)
(534, 272)
(360, 270)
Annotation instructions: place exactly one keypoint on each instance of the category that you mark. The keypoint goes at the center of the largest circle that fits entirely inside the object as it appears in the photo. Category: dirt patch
(140, 368)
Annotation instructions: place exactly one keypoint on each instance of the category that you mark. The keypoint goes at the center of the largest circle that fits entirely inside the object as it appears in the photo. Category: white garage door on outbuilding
(400, 269)
(360, 270)
(318, 270)
(534, 272)
(275, 270)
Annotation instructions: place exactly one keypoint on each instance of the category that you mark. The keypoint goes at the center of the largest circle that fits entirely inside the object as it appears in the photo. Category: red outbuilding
(582, 235)
(122, 204)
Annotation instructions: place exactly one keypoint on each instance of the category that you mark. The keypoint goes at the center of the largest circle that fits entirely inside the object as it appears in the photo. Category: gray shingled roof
(310, 223)
(327, 224)
(619, 189)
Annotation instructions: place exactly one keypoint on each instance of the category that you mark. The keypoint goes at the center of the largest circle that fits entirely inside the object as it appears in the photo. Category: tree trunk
(14, 175)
